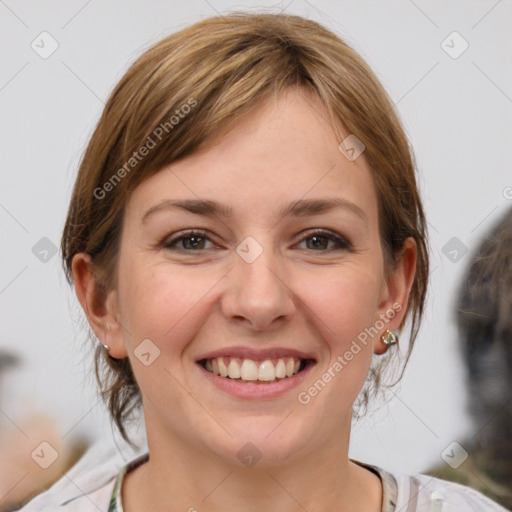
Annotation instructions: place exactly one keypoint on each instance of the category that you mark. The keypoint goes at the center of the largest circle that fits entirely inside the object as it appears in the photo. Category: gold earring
(389, 338)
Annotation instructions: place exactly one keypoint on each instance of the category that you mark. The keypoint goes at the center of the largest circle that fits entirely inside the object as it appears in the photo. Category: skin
(314, 298)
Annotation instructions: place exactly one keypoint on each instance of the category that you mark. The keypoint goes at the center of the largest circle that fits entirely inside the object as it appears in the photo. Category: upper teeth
(247, 369)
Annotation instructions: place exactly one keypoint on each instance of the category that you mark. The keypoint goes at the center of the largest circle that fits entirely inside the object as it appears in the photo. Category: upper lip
(256, 354)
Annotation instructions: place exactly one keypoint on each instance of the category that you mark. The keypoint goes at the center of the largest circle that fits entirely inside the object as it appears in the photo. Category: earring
(389, 338)
(105, 346)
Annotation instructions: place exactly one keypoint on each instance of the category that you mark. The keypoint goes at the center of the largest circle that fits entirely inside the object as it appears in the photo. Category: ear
(395, 292)
(100, 306)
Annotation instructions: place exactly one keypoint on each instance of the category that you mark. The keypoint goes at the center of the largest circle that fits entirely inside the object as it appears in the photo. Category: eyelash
(343, 243)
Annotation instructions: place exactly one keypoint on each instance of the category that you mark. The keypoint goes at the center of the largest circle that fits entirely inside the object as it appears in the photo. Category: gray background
(457, 112)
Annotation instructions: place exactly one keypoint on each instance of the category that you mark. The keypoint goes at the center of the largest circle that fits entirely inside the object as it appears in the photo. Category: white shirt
(88, 487)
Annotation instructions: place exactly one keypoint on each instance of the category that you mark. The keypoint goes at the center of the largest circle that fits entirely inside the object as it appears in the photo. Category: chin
(262, 443)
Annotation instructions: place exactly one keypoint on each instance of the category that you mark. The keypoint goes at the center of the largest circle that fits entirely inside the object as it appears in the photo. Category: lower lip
(252, 390)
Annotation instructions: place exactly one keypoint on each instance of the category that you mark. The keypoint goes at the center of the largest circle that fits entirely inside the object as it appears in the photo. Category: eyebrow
(299, 208)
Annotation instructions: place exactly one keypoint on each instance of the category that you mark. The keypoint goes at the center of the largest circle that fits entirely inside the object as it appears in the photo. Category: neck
(181, 476)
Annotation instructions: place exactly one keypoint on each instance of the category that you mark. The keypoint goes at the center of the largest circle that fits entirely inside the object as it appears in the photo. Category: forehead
(283, 151)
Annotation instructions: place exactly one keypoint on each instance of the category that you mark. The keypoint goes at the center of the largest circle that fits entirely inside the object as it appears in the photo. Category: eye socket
(195, 241)
(191, 241)
(321, 239)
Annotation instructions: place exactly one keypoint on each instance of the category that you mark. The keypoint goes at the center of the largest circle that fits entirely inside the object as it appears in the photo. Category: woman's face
(262, 250)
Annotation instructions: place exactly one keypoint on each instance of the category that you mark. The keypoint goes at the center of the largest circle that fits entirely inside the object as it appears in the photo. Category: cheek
(161, 303)
(345, 309)
(346, 301)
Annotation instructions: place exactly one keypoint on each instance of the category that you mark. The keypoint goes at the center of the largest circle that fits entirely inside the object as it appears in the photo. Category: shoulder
(88, 486)
(426, 493)
(96, 500)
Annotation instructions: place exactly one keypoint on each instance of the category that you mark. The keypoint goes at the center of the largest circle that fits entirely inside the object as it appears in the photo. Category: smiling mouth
(249, 370)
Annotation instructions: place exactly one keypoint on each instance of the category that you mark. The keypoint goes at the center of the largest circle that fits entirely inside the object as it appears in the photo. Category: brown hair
(186, 89)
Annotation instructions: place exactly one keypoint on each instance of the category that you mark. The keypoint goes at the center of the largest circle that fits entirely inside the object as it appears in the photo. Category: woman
(245, 236)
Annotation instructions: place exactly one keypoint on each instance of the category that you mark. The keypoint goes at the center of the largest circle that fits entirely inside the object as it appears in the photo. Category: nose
(258, 294)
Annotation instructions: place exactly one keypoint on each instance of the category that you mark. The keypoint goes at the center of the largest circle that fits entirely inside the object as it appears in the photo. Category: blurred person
(21, 477)
(33, 454)
(484, 322)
